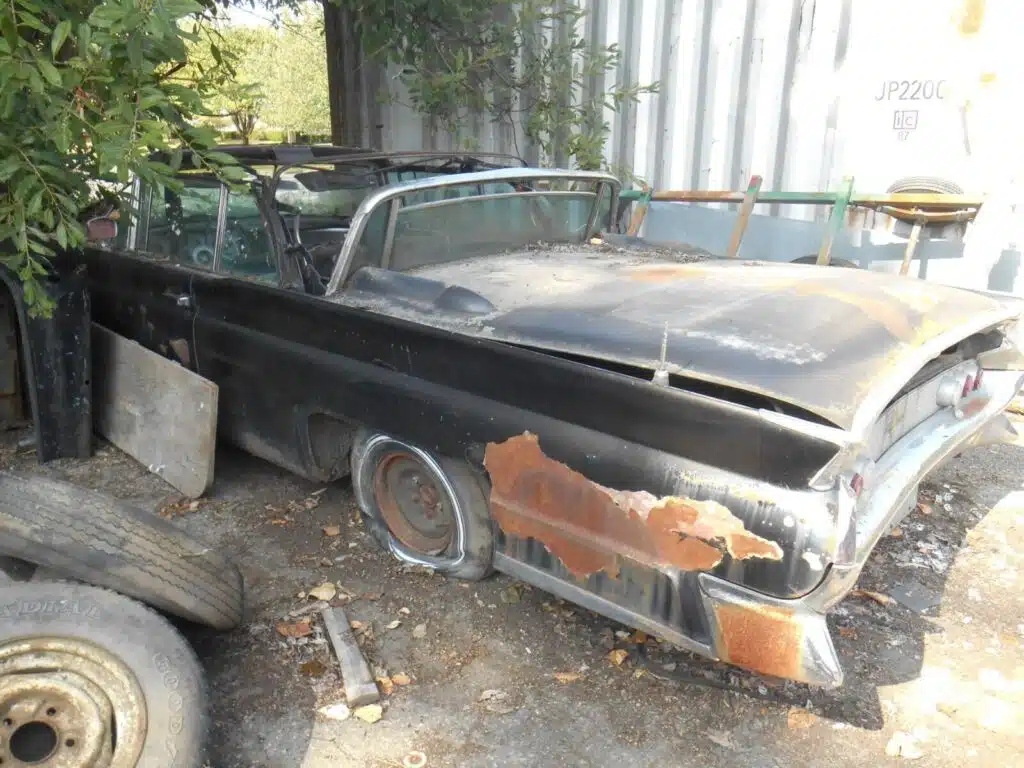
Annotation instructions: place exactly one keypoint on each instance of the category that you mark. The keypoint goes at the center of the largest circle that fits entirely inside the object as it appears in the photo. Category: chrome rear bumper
(789, 637)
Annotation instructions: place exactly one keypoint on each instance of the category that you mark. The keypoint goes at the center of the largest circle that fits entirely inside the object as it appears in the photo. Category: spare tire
(89, 677)
(95, 538)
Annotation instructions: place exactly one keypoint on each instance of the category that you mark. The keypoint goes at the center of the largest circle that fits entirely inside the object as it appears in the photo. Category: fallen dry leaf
(332, 530)
(617, 656)
(280, 521)
(492, 694)
(878, 597)
(371, 713)
(325, 591)
(798, 719)
(639, 672)
(386, 685)
(356, 624)
(400, 678)
(394, 624)
(896, 533)
(848, 632)
(639, 637)
(903, 745)
(294, 629)
(404, 611)
(419, 631)
(926, 509)
(313, 668)
(566, 677)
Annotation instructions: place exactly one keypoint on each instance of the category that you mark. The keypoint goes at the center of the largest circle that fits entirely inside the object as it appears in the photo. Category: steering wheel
(202, 255)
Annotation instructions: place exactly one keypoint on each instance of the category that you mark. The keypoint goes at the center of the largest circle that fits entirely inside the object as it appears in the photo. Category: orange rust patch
(588, 526)
(664, 274)
(761, 638)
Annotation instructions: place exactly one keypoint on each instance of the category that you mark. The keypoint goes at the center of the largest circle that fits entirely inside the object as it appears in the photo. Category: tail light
(977, 379)
(968, 386)
(857, 484)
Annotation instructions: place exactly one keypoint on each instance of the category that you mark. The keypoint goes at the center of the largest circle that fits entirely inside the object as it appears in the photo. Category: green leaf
(49, 72)
(60, 35)
(62, 235)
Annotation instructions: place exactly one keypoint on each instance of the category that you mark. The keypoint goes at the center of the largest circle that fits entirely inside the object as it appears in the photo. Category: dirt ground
(933, 645)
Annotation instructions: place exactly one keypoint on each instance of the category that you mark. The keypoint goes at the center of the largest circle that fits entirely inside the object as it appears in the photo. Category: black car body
(705, 449)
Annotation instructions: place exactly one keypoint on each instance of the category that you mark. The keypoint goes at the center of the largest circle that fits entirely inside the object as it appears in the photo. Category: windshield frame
(391, 195)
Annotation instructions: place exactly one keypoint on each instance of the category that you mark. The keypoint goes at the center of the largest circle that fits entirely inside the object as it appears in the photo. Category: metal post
(835, 221)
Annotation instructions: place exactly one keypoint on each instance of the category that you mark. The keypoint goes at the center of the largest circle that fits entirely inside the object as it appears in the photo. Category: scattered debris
(896, 533)
(640, 637)
(721, 738)
(848, 632)
(401, 679)
(670, 667)
(419, 631)
(369, 713)
(394, 624)
(337, 711)
(512, 595)
(566, 677)
(280, 521)
(798, 719)
(915, 596)
(386, 685)
(925, 509)
(878, 597)
(295, 629)
(404, 611)
(325, 592)
(332, 530)
(414, 759)
(903, 745)
(359, 685)
(181, 506)
(617, 656)
(496, 701)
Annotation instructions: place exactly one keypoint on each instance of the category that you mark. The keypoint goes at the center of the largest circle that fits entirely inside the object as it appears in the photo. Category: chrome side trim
(596, 603)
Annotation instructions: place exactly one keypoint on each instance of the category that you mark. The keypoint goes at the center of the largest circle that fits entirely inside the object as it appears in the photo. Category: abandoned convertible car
(704, 449)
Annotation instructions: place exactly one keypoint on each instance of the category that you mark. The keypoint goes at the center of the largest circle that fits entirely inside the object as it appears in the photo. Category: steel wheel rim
(73, 695)
(413, 503)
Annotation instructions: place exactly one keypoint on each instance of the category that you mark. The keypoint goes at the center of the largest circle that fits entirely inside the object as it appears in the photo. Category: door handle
(183, 300)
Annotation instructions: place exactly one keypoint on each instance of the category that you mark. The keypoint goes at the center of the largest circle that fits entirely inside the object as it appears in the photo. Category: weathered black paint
(57, 357)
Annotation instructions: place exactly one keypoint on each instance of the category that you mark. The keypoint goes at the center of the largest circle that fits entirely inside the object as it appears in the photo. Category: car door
(141, 287)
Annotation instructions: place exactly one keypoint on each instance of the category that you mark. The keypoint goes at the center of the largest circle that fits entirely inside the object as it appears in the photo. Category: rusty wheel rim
(67, 703)
(413, 504)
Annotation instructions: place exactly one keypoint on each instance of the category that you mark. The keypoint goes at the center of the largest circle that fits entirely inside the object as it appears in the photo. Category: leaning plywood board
(156, 411)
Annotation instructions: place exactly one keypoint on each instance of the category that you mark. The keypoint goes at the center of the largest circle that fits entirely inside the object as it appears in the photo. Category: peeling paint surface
(588, 527)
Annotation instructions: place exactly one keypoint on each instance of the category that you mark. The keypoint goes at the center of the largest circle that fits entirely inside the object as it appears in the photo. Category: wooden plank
(753, 190)
(155, 410)
(359, 686)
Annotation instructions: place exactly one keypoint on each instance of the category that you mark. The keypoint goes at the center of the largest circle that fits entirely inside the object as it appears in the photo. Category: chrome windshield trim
(384, 194)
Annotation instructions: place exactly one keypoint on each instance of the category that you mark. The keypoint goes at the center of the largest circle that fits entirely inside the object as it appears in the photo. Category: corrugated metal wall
(775, 87)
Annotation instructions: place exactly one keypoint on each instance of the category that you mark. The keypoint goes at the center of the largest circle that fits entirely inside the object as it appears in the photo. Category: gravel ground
(497, 673)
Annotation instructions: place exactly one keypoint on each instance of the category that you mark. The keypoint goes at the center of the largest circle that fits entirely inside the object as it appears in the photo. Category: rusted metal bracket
(746, 208)
(835, 221)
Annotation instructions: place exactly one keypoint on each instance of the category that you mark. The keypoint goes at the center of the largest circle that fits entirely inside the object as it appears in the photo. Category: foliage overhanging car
(705, 449)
